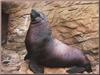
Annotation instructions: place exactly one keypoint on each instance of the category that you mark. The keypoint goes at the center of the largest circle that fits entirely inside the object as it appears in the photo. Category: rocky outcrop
(73, 22)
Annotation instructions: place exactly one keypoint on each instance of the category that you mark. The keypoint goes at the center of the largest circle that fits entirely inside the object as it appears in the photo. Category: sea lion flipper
(34, 67)
(76, 70)
(28, 55)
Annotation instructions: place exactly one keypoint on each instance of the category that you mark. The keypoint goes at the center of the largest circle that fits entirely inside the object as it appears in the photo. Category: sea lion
(45, 50)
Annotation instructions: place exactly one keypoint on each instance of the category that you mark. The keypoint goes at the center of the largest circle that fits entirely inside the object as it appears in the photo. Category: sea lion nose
(34, 14)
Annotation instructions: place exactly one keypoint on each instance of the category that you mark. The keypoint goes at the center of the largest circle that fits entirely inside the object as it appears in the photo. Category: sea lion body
(61, 55)
(44, 50)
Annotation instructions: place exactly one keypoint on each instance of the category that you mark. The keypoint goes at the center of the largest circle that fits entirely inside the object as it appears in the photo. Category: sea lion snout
(35, 16)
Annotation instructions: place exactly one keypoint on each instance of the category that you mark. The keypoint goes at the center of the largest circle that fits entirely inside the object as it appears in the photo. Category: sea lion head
(37, 16)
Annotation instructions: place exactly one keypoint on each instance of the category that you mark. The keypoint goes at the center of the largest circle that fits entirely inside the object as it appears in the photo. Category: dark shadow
(4, 26)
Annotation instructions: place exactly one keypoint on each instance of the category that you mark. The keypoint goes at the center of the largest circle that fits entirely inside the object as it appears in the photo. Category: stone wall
(73, 22)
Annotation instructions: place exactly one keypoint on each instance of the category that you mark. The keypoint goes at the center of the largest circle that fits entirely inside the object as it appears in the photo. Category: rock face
(73, 22)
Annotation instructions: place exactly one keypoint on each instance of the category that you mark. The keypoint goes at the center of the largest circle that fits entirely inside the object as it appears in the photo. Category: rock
(88, 25)
(81, 29)
(95, 51)
(22, 53)
(57, 34)
(90, 58)
(67, 36)
(14, 46)
(71, 25)
(62, 29)
(15, 72)
(23, 67)
(97, 69)
(9, 68)
(77, 45)
(85, 37)
(90, 44)
(12, 57)
(70, 41)
(75, 32)
(15, 6)
(16, 22)
(29, 72)
(54, 71)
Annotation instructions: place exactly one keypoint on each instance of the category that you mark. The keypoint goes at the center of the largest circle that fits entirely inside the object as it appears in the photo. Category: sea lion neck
(37, 24)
